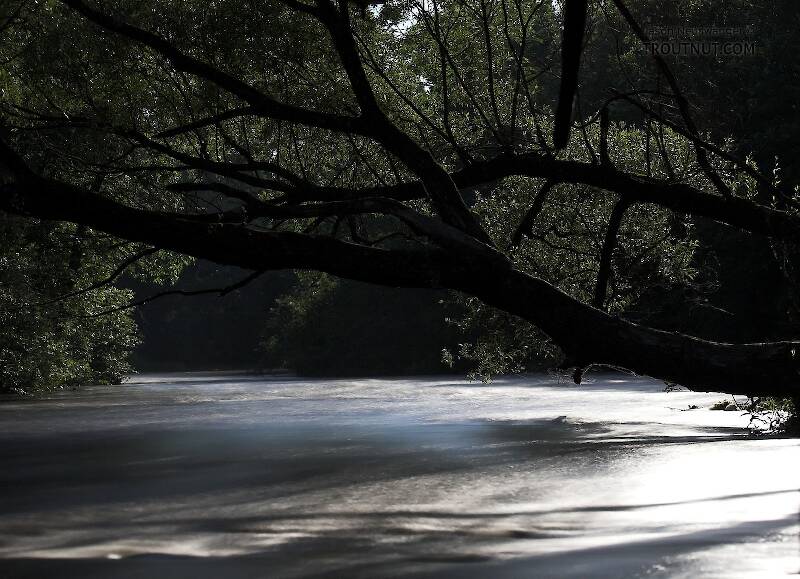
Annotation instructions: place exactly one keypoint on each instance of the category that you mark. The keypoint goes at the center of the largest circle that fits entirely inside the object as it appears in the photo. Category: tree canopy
(529, 155)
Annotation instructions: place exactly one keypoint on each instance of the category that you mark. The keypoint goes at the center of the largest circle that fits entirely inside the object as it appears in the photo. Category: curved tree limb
(584, 333)
(220, 291)
(736, 212)
(260, 103)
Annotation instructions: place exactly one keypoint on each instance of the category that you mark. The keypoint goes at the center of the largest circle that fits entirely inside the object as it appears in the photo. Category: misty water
(219, 475)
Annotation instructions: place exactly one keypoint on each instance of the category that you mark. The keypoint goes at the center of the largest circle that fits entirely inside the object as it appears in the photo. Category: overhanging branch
(260, 103)
(584, 333)
(736, 212)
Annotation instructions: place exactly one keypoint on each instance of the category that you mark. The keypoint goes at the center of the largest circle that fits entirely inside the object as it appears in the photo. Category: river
(229, 476)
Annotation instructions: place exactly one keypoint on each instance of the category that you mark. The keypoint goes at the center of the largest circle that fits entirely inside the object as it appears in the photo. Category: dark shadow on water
(344, 557)
(43, 473)
(633, 559)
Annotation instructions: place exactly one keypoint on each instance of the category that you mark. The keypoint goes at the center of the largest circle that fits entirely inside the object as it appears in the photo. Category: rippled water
(238, 476)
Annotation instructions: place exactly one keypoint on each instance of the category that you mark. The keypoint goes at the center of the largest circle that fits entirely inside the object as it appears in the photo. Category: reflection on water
(238, 476)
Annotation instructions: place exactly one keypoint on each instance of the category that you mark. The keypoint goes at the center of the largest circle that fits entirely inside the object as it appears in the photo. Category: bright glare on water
(220, 475)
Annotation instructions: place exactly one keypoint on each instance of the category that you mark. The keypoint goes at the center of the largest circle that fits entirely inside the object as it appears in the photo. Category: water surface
(216, 475)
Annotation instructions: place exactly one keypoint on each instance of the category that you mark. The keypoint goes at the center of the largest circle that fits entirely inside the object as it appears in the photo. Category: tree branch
(205, 122)
(604, 122)
(260, 103)
(221, 292)
(120, 269)
(571, 47)
(736, 212)
(441, 190)
(683, 104)
(607, 253)
(526, 225)
(584, 333)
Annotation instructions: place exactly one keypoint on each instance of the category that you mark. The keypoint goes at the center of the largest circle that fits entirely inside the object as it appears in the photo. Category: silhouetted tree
(407, 144)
